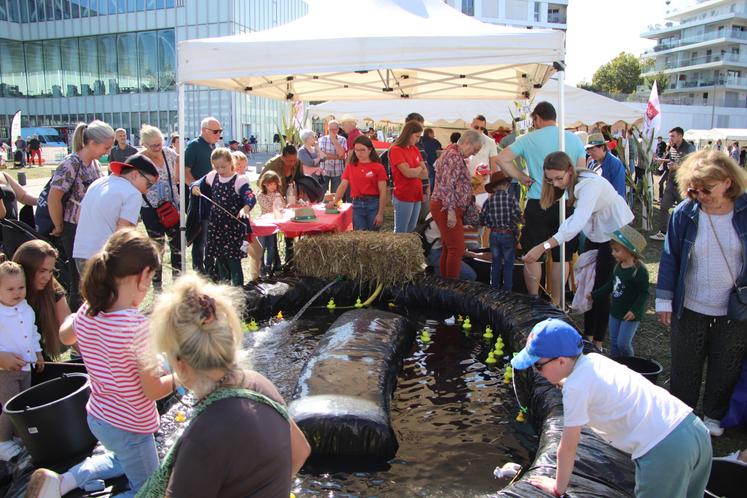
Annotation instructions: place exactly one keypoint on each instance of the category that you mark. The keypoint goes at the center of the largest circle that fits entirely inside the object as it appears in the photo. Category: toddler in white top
(19, 336)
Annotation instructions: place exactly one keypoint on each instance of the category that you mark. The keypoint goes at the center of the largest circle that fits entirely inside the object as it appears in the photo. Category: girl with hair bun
(113, 337)
(196, 325)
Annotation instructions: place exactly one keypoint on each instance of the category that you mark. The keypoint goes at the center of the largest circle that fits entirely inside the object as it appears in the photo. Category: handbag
(736, 308)
(166, 211)
(42, 218)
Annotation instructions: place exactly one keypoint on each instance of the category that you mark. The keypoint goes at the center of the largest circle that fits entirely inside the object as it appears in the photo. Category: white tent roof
(581, 107)
(393, 49)
(733, 134)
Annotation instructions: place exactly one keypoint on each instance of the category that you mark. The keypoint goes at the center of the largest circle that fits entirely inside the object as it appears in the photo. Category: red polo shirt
(351, 139)
(406, 189)
(364, 178)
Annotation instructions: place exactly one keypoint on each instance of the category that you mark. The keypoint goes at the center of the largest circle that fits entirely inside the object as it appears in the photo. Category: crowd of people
(507, 194)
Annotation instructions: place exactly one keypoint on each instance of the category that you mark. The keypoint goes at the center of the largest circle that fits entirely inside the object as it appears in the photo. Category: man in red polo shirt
(349, 126)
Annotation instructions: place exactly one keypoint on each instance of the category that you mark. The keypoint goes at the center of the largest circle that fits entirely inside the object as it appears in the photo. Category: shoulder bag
(736, 309)
(167, 213)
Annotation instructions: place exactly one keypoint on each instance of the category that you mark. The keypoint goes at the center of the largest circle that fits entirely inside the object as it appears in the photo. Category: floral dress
(225, 233)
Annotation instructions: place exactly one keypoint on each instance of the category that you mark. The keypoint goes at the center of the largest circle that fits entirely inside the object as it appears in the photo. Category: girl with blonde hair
(197, 325)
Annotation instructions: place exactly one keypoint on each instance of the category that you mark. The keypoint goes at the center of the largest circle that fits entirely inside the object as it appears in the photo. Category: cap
(139, 162)
(630, 238)
(550, 338)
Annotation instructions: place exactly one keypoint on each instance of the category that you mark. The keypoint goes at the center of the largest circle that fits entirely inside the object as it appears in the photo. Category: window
(14, 70)
(121, 6)
(107, 50)
(49, 10)
(13, 14)
(34, 68)
(147, 56)
(69, 52)
(468, 7)
(127, 58)
(3, 11)
(24, 10)
(89, 68)
(83, 8)
(52, 68)
(75, 8)
(131, 5)
(537, 12)
(57, 10)
(33, 14)
(166, 60)
(150, 5)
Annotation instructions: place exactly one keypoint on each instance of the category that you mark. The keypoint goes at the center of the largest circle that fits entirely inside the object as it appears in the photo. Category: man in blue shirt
(605, 163)
(540, 225)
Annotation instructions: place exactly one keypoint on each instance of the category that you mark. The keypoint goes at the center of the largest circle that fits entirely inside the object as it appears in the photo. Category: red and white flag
(652, 116)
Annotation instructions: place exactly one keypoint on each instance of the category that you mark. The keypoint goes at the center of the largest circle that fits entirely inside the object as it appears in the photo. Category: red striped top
(110, 344)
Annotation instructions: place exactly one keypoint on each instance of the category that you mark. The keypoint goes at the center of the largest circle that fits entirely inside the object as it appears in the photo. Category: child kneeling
(669, 445)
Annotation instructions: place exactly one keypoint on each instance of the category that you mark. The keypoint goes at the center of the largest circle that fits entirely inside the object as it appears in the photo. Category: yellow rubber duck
(180, 417)
(521, 418)
(490, 360)
(331, 304)
(252, 325)
(467, 324)
(460, 318)
(425, 336)
(358, 303)
(498, 350)
(279, 316)
(499, 340)
(488, 333)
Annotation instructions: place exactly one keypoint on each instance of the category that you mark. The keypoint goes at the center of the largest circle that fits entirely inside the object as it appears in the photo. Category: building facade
(66, 61)
(519, 13)
(703, 50)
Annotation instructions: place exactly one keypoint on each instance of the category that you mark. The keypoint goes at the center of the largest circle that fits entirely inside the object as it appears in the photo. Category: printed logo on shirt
(369, 174)
(618, 288)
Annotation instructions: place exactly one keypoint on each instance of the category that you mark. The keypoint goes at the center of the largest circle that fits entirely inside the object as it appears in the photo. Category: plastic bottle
(290, 194)
(277, 208)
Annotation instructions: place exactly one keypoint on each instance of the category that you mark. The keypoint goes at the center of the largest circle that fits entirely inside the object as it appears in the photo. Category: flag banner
(15, 129)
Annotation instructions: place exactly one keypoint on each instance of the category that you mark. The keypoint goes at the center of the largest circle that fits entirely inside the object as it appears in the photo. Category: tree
(620, 75)
(661, 79)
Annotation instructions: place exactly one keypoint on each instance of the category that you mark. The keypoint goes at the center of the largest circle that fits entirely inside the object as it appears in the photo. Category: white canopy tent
(723, 134)
(374, 49)
(582, 108)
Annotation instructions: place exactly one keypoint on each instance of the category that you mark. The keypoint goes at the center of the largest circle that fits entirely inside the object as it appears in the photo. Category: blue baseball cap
(550, 338)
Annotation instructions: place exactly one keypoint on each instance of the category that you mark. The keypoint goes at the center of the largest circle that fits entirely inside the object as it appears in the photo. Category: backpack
(420, 229)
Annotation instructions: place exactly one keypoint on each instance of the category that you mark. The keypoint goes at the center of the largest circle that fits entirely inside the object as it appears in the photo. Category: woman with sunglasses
(704, 255)
(163, 191)
(598, 211)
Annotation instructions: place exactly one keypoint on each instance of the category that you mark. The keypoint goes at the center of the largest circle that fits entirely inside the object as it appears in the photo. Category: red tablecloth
(268, 225)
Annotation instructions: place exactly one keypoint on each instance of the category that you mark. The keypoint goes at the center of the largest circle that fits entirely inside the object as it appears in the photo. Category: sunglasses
(215, 132)
(692, 192)
(479, 128)
(148, 181)
(539, 366)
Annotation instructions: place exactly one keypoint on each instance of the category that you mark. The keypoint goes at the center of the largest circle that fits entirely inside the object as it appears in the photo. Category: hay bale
(374, 257)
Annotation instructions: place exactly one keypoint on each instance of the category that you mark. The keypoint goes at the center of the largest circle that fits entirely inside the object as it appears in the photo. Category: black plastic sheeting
(342, 399)
(600, 470)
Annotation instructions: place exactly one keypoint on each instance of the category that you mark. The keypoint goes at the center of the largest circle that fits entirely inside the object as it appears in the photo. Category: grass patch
(32, 173)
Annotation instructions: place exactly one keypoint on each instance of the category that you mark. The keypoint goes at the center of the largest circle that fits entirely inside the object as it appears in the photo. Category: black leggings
(696, 338)
(596, 320)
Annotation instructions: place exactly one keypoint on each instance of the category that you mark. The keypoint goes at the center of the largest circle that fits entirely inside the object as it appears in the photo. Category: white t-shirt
(620, 405)
(483, 156)
(107, 200)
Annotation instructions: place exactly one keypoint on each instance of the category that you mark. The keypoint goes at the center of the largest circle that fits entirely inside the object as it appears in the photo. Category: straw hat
(631, 239)
(594, 140)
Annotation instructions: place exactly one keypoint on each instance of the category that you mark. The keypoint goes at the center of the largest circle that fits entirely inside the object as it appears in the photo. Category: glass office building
(65, 61)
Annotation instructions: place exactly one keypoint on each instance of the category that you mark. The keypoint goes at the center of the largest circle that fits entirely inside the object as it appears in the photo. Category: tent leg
(182, 186)
(561, 142)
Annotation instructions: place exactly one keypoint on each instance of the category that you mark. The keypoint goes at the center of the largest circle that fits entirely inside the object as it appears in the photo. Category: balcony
(677, 100)
(557, 18)
(655, 30)
(690, 40)
(730, 82)
(697, 61)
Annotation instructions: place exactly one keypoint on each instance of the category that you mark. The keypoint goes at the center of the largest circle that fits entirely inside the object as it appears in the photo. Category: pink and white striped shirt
(112, 345)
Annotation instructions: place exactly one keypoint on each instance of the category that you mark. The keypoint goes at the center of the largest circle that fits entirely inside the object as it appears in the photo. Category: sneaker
(658, 236)
(44, 484)
(713, 426)
(8, 449)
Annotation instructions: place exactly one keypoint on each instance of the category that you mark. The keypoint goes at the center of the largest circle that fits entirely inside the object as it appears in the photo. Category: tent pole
(561, 142)
(182, 186)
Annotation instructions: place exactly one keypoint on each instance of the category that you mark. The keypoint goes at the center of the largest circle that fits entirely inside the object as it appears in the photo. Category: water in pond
(454, 417)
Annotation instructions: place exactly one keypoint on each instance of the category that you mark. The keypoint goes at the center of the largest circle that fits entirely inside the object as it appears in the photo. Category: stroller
(15, 233)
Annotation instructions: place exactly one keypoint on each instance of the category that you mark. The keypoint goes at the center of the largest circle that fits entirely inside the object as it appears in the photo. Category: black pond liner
(600, 470)
(649, 368)
(728, 479)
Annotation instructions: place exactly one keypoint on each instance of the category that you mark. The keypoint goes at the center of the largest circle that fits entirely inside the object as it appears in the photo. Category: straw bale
(369, 257)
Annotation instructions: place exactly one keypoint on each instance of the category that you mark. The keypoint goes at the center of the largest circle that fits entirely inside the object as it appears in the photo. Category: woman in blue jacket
(705, 252)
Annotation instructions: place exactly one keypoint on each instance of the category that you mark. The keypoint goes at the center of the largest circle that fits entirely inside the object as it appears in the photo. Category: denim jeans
(270, 260)
(331, 183)
(405, 215)
(503, 253)
(621, 336)
(365, 209)
(465, 271)
(133, 455)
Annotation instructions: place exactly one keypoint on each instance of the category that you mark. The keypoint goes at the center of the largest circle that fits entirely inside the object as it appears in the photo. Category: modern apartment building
(703, 49)
(65, 61)
(519, 13)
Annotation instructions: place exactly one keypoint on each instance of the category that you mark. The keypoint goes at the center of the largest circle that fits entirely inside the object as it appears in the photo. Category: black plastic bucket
(51, 372)
(51, 418)
(728, 479)
(644, 366)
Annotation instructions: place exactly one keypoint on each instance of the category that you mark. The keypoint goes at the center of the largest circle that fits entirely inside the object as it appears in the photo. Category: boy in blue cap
(669, 445)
